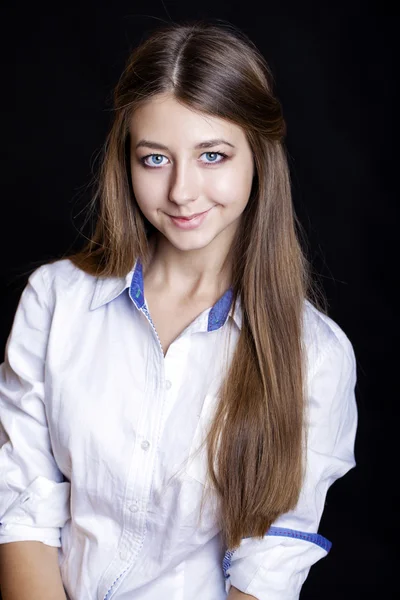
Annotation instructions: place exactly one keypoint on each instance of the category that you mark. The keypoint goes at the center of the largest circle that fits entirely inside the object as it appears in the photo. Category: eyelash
(224, 156)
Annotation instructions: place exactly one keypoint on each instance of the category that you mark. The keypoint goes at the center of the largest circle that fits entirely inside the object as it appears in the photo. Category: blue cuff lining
(314, 538)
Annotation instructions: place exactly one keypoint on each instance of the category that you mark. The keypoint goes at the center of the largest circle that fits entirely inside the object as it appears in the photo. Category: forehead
(165, 120)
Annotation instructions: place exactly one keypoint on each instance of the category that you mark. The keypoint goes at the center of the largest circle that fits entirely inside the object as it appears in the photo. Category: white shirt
(95, 422)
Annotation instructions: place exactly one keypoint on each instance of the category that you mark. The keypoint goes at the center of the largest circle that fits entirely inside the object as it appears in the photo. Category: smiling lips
(188, 218)
(189, 222)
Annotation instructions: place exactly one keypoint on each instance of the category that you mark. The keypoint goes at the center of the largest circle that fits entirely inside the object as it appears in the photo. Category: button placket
(139, 477)
(134, 507)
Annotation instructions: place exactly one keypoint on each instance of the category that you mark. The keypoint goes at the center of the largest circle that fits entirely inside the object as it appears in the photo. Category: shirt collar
(109, 288)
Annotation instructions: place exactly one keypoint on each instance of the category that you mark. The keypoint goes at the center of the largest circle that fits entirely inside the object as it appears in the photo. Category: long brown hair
(257, 436)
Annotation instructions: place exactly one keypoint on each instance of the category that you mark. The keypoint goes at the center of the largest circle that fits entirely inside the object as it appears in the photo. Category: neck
(193, 273)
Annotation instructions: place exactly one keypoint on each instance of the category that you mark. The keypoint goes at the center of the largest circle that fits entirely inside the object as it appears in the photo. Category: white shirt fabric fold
(97, 429)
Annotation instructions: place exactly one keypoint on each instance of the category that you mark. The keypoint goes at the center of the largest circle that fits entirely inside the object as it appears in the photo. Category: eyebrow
(205, 144)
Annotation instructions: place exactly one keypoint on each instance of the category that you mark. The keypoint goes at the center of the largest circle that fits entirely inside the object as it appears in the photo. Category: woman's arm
(29, 571)
(276, 566)
(34, 498)
(235, 594)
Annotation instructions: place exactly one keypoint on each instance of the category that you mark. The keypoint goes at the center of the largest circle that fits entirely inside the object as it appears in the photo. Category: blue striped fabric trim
(108, 595)
(226, 563)
(136, 288)
(219, 312)
(314, 538)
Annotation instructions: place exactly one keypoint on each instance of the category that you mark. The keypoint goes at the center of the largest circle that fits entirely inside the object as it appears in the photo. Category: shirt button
(168, 384)
(133, 508)
(145, 445)
(123, 555)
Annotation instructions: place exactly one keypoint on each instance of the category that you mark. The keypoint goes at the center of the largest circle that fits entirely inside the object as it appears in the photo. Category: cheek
(147, 190)
(146, 202)
(232, 188)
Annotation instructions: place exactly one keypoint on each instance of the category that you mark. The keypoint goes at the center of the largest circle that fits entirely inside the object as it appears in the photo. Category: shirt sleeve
(34, 498)
(276, 566)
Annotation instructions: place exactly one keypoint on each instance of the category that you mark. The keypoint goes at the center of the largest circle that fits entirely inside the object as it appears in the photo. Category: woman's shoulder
(61, 272)
(65, 282)
(61, 277)
(323, 335)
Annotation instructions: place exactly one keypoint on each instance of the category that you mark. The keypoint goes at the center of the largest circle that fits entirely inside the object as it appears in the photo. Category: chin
(188, 244)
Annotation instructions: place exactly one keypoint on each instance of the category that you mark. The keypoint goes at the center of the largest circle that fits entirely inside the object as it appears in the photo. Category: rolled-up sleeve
(34, 497)
(276, 566)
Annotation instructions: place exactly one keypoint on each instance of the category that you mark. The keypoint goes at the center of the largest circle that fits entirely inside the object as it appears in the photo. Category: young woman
(174, 403)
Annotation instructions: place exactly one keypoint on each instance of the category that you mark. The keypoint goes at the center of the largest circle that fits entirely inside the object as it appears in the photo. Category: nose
(184, 184)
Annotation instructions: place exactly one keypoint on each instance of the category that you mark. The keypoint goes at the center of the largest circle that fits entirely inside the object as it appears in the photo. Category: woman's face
(172, 175)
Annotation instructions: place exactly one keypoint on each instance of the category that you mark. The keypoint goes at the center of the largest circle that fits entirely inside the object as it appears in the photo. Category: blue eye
(216, 154)
(156, 165)
(152, 156)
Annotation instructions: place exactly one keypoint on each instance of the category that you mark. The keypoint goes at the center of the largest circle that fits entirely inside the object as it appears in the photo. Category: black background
(335, 74)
